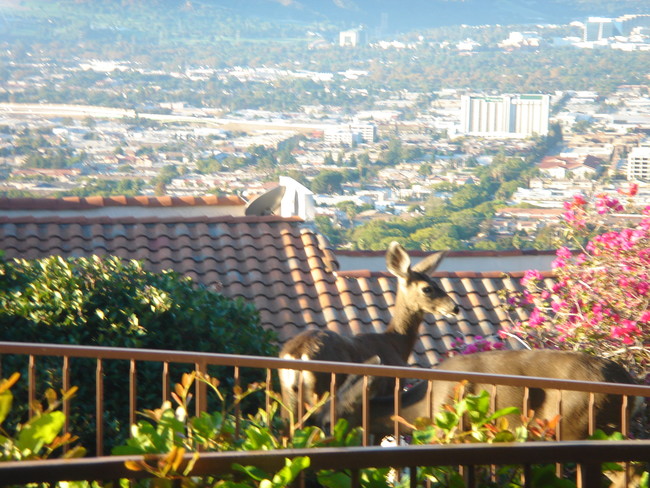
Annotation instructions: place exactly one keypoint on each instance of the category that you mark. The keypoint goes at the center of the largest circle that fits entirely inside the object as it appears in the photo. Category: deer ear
(430, 263)
(398, 261)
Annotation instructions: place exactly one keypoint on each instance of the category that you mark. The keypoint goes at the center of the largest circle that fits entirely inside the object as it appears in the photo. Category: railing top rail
(190, 357)
(215, 463)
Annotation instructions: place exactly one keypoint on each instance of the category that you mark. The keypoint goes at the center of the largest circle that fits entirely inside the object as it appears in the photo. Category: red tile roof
(287, 270)
(85, 203)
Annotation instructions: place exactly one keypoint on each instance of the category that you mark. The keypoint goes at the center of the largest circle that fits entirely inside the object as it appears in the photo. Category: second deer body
(423, 401)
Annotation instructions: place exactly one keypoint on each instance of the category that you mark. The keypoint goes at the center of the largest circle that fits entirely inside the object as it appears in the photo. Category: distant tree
(467, 223)
(437, 237)
(335, 234)
(328, 160)
(377, 235)
(327, 182)
(207, 166)
(167, 174)
(425, 170)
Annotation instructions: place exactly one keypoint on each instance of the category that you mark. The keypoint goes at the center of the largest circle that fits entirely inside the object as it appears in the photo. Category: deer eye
(427, 289)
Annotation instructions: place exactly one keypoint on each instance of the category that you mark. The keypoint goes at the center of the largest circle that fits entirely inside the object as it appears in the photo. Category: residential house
(287, 270)
(563, 167)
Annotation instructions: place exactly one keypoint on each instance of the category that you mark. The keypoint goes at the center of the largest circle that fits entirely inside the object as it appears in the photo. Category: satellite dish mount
(267, 203)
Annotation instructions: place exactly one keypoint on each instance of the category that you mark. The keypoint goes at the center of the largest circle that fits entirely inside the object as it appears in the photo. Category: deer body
(417, 294)
(418, 402)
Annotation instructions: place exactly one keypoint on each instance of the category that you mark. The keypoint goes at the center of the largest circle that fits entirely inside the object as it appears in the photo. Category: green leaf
(504, 436)
(334, 479)
(252, 472)
(446, 420)
(503, 412)
(40, 431)
(6, 399)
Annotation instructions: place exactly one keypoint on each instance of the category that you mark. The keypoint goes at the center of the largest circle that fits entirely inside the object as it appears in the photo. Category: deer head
(417, 292)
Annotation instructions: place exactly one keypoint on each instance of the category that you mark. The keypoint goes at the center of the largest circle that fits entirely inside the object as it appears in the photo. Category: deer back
(420, 401)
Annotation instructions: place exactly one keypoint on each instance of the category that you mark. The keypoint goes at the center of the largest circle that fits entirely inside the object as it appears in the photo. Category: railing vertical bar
(413, 473)
(470, 476)
(132, 391)
(525, 401)
(430, 399)
(558, 432)
(267, 390)
(624, 415)
(165, 382)
(527, 475)
(625, 430)
(99, 407)
(592, 413)
(355, 475)
(397, 405)
(332, 403)
(31, 382)
(237, 378)
(493, 408)
(65, 382)
(201, 389)
(300, 411)
(588, 475)
(365, 423)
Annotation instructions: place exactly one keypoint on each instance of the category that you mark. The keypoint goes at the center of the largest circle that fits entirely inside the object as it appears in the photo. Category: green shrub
(41, 436)
(106, 302)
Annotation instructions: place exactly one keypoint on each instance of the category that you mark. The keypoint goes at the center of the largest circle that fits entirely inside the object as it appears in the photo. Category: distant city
(395, 158)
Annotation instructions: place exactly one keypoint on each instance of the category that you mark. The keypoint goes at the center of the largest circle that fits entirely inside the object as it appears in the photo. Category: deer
(417, 294)
(422, 401)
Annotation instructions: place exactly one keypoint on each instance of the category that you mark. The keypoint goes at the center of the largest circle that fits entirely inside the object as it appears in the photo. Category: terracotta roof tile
(86, 203)
(287, 270)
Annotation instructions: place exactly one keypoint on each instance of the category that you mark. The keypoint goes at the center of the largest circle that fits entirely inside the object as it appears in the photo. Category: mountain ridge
(382, 16)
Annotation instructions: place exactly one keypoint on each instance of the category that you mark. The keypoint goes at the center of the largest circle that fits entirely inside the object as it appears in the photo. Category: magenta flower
(531, 275)
(536, 318)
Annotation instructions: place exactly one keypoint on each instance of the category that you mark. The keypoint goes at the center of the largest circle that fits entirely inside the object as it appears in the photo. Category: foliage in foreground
(466, 419)
(102, 301)
(171, 433)
(39, 437)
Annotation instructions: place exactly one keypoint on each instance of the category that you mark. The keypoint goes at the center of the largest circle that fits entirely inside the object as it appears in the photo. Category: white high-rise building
(353, 37)
(599, 28)
(505, 115)
(638, 164)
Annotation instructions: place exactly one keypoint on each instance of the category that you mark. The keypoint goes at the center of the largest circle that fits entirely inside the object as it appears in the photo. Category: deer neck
(405, 326)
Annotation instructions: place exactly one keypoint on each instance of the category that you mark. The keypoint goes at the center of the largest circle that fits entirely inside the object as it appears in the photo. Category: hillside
(381, 16)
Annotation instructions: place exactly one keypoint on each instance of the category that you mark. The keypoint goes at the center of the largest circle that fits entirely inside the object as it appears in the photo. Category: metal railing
(588, 455)
(201, 362)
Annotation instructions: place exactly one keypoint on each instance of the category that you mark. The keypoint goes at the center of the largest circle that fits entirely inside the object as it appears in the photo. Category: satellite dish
(266, 204)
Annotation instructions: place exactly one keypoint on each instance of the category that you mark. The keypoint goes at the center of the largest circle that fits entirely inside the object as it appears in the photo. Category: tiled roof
(287, 270)
(85, 203)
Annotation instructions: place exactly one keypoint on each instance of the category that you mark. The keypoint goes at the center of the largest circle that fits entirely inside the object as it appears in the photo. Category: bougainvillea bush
(599, 302)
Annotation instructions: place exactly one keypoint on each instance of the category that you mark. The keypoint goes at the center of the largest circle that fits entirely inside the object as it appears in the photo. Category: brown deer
(417, 294)
(420, 401)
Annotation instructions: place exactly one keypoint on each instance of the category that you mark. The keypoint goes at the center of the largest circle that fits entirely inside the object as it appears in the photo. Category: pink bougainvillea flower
(536, 318)
(631, 191)
(531, 276)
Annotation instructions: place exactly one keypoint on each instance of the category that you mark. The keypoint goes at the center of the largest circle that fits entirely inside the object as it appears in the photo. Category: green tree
(327, 182)
(335, 234)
